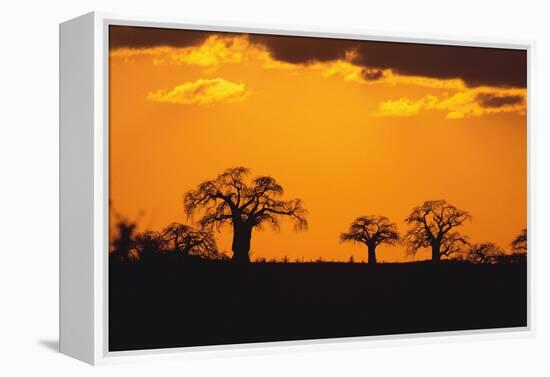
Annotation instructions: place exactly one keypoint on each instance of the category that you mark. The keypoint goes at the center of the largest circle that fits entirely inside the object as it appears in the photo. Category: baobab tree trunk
(436, 252)
(242, 233)
(371, 254)
(186, 250)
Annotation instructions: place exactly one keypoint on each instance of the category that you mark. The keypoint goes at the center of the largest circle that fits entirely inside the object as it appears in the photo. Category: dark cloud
(303, 50)
(372, 74)
(475, 65)
(140, 37)
(491, 100)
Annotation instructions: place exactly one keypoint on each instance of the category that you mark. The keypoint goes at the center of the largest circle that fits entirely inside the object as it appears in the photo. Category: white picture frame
(84, 190)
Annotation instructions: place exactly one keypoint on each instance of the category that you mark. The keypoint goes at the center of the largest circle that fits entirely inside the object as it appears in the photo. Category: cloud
(135, 37)
(372, 74)
(202, 92)
(476, 66)
(344, 68)
(493, 100)
(404, 107)
(352, 72)
(128, 52)
(469, 103)
(303, 50)
(392, 78)
(212, 53)
(476, 81)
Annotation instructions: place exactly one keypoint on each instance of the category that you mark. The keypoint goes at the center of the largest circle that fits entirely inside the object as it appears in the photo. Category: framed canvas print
(229, 187)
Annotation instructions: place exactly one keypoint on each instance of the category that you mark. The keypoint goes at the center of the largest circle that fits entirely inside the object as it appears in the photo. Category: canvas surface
(268, 188)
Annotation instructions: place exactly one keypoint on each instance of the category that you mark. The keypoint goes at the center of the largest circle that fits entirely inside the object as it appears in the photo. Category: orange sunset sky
(350, 127)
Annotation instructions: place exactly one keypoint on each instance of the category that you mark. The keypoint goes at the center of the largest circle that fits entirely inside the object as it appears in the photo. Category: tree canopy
(372, 231)
(233, 198)
(187, 240)
(432, 225)
(519, 244)
(484, 253)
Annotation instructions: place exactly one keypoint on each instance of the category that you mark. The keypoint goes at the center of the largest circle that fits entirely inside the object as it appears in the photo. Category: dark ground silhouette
(176, 302)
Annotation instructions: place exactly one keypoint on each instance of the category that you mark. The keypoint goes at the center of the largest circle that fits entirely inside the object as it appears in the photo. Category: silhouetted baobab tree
(123, 240)
(148, 244)
(372, 231)
(185, 240)
(231, 198)
(486, 252)
(432, 226)
(454, 245)
(519, 244)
